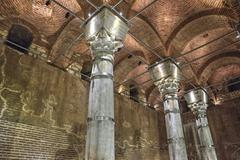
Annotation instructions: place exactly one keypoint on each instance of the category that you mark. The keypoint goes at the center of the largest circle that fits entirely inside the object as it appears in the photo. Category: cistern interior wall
(44, 83)
(43, 116)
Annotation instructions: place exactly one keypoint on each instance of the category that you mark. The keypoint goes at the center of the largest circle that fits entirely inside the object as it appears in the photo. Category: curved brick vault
(212, 16)
(165, 28)
(211, 68)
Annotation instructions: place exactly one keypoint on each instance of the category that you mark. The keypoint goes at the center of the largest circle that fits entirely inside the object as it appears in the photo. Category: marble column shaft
(166, 76)
(105, 33)
(176, 142)
(198, 102)
(205, 137)
(100, 133)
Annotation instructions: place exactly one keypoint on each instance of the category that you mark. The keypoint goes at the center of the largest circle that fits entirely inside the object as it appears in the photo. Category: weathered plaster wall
(140, 133)
(225, 124)
(43, 115)
(46, 108)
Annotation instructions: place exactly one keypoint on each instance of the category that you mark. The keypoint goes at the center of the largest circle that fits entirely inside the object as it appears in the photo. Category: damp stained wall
(43, 115)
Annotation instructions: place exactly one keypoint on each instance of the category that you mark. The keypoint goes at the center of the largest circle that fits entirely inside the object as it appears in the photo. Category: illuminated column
(166, 76)
(104, 33)
(198, 102)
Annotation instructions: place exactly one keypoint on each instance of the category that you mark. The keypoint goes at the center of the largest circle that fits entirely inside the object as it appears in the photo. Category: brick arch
(178, 39)
(64, 43)
(143, 28)
(126, 65)
(154, 99)
(149, 90)
(16, 20)
(122, 7)
(224, 73)
(121, 56)
(86, 7)
(209, 67)
(140, 75)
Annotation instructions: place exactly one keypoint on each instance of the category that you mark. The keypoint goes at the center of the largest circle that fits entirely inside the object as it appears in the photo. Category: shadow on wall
(75, 150)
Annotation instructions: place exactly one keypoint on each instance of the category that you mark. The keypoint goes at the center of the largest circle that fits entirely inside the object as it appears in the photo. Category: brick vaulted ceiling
(165, 28)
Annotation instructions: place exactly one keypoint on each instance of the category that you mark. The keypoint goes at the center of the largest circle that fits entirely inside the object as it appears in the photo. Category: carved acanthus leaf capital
(197, 100)
(103, 42)
(166, 76)
(167, 86)
(105, 32)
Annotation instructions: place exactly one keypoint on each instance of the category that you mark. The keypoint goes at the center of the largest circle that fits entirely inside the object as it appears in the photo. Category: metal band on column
(104, 39)
(166, 77)
(197, 101)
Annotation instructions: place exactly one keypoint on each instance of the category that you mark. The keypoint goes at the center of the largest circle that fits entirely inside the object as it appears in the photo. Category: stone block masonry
(43, 115)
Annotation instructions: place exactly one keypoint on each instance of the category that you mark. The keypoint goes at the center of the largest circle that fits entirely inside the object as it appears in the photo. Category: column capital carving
(105, 32)
(166, 76)
(197, 101)
(103, 44)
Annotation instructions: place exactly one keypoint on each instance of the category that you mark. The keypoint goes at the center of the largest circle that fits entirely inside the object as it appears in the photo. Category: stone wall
(42, 109)
(43, 115)
(224, 122)
(140, 133)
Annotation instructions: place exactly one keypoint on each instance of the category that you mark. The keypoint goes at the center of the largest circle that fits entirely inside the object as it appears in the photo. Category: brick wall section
(43, 115)
(21, 141)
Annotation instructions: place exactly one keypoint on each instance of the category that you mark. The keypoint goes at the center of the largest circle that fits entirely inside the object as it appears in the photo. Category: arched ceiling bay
(213, 65)
(224, 73)
(165, 15)
(163, 28)
(195, 25)
(48, 19)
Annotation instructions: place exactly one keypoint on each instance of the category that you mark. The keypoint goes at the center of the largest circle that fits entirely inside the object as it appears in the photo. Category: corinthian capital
(105, 31)
(197, 100)
(166, 76)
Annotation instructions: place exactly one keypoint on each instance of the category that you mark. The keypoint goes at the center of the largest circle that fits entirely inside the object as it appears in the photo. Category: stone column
(105, 33)
(198, 102)
(166, 76)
